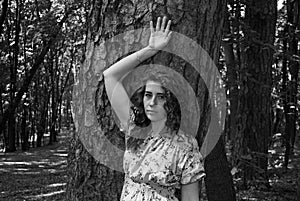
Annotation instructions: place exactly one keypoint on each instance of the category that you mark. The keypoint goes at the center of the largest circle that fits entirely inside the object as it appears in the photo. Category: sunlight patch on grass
(57, 184)
(62, 162)
(61, 155)
(27, 173)
(52, 171)
(21, 163)
(46, 194)
(21, 169)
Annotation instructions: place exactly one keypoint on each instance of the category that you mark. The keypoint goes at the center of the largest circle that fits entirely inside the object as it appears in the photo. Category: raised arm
(118, 97)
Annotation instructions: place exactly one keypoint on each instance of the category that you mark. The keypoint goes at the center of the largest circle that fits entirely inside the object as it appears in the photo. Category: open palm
(160, 36)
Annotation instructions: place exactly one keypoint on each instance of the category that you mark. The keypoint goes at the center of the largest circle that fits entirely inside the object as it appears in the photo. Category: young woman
(159, 157)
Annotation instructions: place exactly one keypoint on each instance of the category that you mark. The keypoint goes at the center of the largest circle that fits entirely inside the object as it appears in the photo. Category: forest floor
(37, 174)
(40, 174)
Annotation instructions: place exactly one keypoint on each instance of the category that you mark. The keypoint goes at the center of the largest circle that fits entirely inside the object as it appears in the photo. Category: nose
(153, 101)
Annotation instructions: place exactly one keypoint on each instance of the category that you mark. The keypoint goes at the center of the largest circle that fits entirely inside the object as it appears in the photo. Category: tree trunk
(2, 132)
(298, 189)
(219, 184)
(201, 21)
(44, 99)
(3, 14)
(293, 21)
(231, 75)
(24, 130)
(13, 82)
(255, 92)
(53, 74)
(232, 83)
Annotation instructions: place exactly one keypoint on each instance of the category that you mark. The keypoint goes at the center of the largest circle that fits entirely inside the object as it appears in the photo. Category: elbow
(105, 74)
(108, 75)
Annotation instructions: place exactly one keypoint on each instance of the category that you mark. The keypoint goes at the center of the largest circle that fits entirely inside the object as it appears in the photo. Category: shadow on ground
(38, 174)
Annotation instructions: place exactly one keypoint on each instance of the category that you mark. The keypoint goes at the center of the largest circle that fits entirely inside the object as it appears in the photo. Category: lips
(150, 111)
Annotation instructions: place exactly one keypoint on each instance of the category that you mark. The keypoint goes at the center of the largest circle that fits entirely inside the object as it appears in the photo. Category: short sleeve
(193, 169)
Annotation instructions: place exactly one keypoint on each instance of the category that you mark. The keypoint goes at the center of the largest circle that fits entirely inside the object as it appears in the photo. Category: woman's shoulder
(185, 141)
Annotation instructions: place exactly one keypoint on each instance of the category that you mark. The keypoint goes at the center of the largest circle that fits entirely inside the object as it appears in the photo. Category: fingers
(157, 24)
(163, 24)
(169, 36)
(168, 26)
(151, 27)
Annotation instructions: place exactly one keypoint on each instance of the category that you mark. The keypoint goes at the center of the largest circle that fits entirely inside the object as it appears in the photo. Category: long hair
(140, 119)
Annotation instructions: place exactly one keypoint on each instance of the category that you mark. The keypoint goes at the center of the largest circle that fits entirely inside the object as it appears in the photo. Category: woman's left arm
(190, 192)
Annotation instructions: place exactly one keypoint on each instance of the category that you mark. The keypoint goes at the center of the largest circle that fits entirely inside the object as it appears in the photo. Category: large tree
(201, 21)
(254, 107)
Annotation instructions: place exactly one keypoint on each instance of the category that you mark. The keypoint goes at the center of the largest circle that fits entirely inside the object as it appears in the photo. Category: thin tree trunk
(3, 14)
(24, 132)
(2, 132)
(232, 86)
(32, 132)
(298, 189)
(62, 90)
(13, 82)
(52, 70)
(293, 21)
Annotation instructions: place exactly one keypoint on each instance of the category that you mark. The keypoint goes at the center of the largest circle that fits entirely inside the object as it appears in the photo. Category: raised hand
(161, 35)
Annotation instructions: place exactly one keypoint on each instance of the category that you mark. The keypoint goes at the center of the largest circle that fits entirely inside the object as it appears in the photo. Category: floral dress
(161, 164)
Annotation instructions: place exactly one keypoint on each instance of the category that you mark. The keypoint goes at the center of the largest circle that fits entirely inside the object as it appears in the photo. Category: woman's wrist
(145, 53)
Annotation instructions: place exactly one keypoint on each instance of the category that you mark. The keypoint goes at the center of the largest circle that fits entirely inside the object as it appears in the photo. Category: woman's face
(154, 100)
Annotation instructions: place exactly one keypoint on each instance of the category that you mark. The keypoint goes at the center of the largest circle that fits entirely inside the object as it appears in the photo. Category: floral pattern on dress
(161, 164)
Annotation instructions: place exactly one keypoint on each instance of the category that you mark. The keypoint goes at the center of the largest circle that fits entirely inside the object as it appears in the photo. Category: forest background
(45, 45)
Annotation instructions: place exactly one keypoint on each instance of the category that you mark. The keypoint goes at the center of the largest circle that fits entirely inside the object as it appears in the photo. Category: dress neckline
(165, 133)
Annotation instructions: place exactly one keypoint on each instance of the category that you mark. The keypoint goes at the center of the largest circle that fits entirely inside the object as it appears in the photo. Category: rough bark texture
(293, 18)
(201, 21)
(3, 14)
(298, 189)
(254, 116)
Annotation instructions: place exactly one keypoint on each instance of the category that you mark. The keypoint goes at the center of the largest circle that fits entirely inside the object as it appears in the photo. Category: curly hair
(140, 119)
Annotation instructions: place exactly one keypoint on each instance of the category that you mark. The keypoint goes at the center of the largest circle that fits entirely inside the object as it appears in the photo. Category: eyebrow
(159, 93)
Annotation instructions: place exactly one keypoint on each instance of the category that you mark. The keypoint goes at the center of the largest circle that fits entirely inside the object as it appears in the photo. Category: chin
(155, 119)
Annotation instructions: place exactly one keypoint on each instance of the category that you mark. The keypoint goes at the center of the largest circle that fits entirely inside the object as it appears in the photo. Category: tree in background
(254, 100)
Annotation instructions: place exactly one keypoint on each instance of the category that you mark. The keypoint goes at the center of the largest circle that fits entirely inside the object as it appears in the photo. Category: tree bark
(255, 91)
(298, 189)
(24, 130)
(3, 14)
(201, 21)
(54, 97)
(293, 20)
(231, 75)
(13, 82)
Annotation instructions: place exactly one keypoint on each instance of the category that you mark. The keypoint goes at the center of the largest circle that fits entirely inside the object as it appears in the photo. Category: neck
(158, 126)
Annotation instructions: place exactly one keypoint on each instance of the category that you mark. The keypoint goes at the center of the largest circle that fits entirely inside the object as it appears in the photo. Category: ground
(40, 174)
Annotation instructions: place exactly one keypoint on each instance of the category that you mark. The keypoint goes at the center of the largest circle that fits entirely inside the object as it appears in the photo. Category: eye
(161, 97)
(148, 95)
